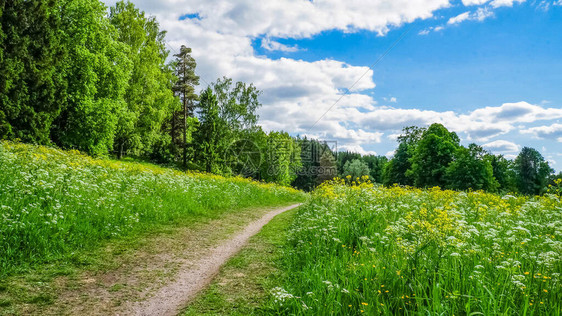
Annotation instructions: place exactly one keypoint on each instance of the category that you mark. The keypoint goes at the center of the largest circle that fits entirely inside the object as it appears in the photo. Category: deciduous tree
(532, 172)
(433, 154)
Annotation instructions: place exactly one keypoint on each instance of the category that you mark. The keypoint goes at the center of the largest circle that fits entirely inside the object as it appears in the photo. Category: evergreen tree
(32, 54)
(210, 138)
(327, 169)
(310, 172)
(183, 120)
(395, 171)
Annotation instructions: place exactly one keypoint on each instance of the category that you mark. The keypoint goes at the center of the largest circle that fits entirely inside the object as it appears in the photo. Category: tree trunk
(121, 150)
(184, 131)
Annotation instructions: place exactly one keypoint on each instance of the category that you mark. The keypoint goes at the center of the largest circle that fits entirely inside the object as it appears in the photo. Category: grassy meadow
(55, 204)
(364, 249)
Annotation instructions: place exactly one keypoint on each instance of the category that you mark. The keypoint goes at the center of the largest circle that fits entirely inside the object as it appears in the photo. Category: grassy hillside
(54, 204)
(370, 250)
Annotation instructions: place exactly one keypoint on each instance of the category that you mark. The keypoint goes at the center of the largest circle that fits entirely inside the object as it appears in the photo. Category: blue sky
(489, 70)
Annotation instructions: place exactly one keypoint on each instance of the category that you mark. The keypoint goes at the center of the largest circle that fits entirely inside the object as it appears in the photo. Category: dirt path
(195, 276)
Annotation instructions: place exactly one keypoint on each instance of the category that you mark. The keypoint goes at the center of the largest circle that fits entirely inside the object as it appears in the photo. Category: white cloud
(504, 3)
(296, 93)
(390, 154)
(271, 45)
(520, 112)
(502, 146)
(553, 131)
(431, 29)
(459, 18)
(295, 18)
(474, 2)
(391, 99)
(479, 15)
(357, 149)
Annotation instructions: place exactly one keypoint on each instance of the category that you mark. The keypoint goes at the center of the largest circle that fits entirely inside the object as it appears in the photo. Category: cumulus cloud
(271, 45)
(301, 18)
(553, 131)
(520, 112)
(296, 93)
(502, 146)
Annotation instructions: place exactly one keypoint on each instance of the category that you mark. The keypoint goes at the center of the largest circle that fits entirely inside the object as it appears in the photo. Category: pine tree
(187, 80)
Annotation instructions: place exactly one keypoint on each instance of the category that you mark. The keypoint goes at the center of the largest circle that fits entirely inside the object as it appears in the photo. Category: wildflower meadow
(55, 203)
(364, 249)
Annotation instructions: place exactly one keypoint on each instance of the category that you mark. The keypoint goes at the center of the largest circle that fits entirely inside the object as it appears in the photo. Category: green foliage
(282, 159)
(503, 172)
(532, 172)
(317, 164)
(396, 170)
(376, 166)
(432, 155)
(237, 104)
(97, 70)
(343, 157)
(470, 171)
(327, 167)
(211, 137)
(32, 53)
(148, 96)
(355, 170)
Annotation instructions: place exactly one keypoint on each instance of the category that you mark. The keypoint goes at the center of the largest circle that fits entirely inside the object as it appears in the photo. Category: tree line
(433, 156)
(76, 75)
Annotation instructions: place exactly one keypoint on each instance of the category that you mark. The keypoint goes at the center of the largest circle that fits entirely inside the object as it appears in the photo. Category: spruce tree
(32, 86)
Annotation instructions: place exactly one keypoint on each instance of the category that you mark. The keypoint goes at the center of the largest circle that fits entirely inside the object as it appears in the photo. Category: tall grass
(371, 250)
(53, 203)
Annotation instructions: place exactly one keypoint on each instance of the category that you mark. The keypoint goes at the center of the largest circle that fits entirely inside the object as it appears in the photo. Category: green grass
(56, 206)
(243, 284)
(371, 250)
